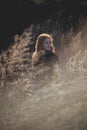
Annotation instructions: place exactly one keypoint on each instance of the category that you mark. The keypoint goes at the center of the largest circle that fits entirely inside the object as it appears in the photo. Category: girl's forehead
(46, 39)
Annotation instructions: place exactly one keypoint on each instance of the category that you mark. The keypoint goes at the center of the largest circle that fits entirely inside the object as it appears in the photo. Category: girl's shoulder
(52, 56)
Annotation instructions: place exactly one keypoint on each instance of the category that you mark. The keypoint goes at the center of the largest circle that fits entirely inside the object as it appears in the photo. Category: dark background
(16, 15)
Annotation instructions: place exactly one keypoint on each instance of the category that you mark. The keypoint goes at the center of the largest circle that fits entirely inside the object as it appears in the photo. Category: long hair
(40, 39)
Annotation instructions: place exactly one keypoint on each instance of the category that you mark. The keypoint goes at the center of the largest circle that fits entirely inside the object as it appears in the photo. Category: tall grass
(17, 57)
(16, 60)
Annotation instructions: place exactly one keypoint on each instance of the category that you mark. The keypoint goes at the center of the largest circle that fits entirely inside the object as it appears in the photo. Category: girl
(44, 51)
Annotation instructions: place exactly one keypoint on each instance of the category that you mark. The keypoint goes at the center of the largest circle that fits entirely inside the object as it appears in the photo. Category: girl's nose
(48, 44)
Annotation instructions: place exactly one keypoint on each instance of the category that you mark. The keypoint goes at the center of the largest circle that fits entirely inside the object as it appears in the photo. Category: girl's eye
(46, 43)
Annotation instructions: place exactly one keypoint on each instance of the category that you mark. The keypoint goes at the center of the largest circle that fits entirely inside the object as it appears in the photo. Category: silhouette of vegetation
(17, 58)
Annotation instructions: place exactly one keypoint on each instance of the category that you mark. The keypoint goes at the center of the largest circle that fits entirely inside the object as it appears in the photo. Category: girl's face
(47, 44)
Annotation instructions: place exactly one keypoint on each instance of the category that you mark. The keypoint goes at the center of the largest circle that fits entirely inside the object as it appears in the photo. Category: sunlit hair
(39, 43)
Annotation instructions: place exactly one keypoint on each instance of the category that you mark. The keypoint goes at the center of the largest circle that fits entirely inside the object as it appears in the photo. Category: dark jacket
(47, 59)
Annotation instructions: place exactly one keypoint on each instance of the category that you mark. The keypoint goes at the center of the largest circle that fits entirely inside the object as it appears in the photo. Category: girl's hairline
(45, 34)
